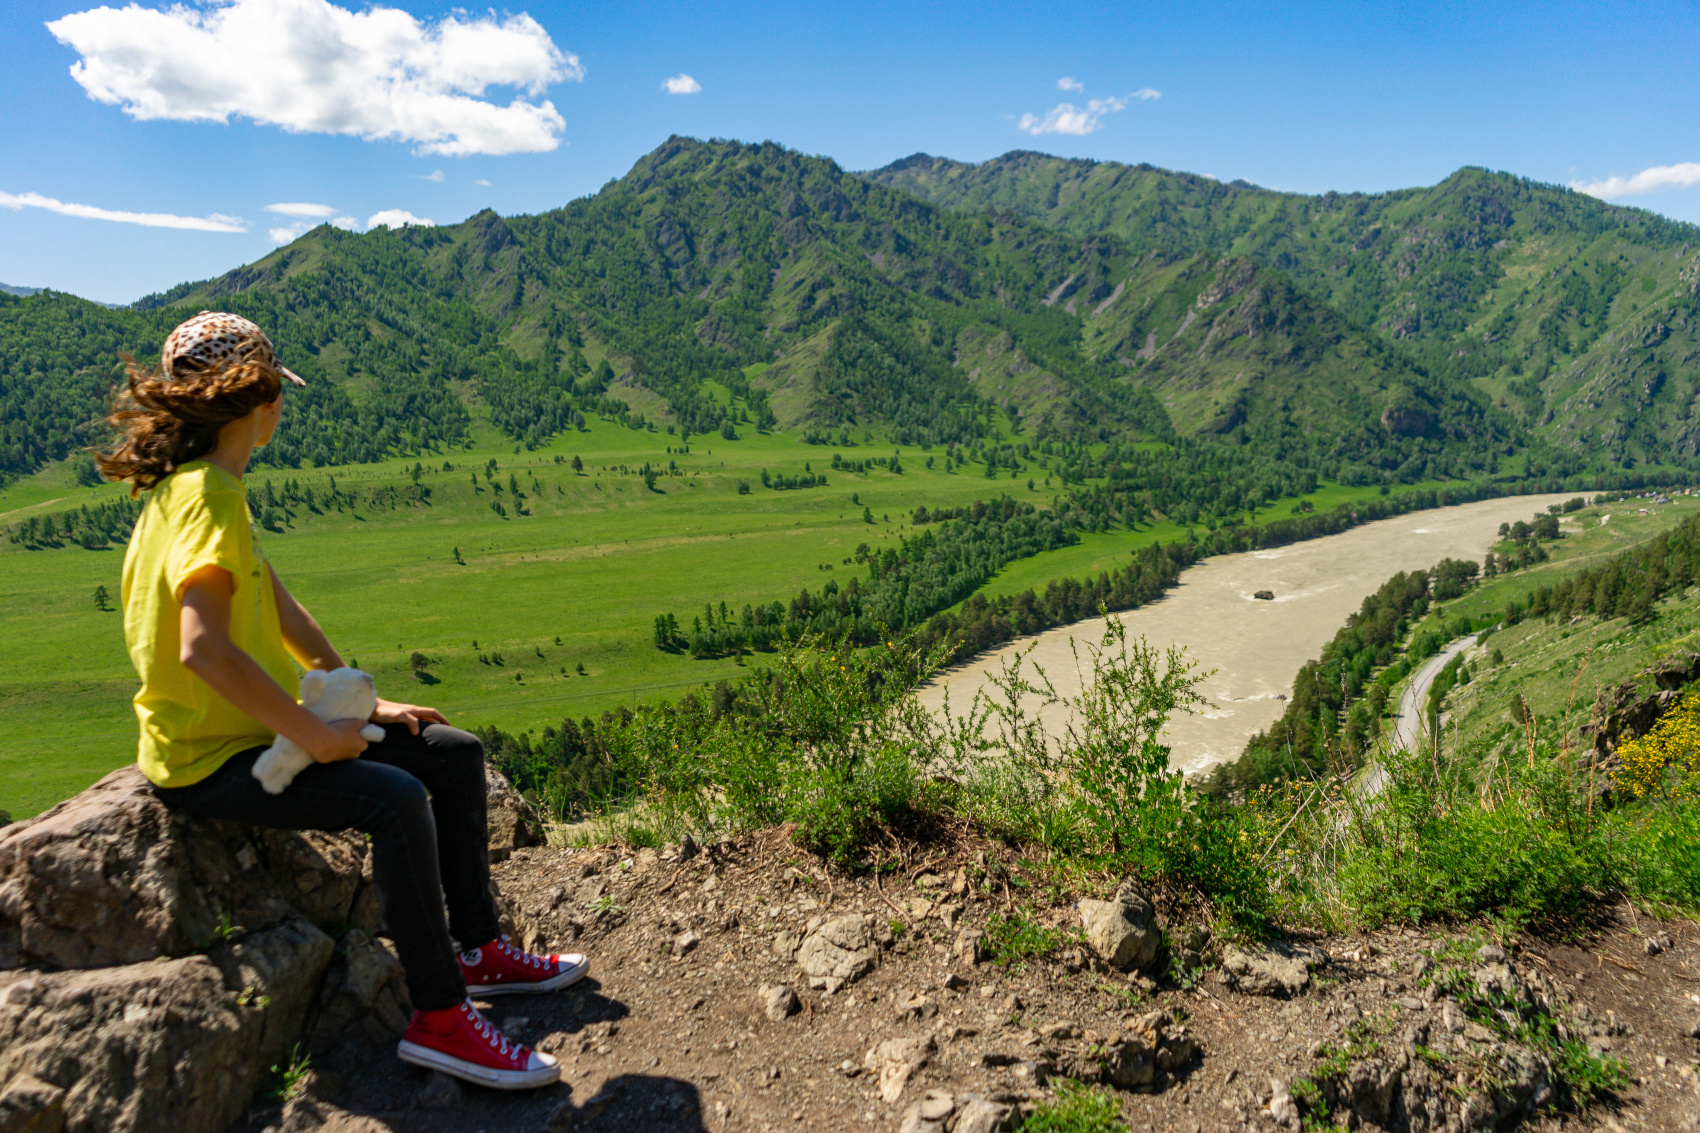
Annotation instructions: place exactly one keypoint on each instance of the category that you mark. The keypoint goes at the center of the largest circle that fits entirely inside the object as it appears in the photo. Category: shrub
(826, 737)
(1077, 1109)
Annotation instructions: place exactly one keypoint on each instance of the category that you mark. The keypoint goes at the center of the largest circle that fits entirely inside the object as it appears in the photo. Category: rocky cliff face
(154, 966)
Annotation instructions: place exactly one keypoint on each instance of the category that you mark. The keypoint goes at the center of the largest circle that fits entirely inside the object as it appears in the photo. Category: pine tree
(101, 598)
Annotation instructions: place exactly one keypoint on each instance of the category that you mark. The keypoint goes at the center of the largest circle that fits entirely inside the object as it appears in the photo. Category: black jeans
(422, 800)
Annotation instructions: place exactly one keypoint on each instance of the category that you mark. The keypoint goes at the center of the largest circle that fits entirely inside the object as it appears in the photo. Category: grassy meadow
(1556, 668)
(577, 581)
(571, 574)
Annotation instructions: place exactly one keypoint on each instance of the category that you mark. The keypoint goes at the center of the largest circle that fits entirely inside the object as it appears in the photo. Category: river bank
(1254, 645)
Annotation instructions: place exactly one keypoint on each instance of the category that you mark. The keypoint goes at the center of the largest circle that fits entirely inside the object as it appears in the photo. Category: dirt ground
(672, 1032)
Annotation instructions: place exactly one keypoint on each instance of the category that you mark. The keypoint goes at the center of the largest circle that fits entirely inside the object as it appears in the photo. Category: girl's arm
(308, 644)
(302, 636)
(208, 652)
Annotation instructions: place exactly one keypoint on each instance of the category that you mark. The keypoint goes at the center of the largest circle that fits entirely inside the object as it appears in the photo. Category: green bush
(1076, 1109)
(1513, 839)
(826, 737)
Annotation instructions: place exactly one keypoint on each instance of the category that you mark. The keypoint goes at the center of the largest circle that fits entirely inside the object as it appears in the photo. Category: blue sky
(217, 115)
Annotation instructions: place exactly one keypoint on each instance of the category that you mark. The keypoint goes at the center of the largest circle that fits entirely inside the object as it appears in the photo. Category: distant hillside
(834, 304)
(8, 289)
(1576, 316)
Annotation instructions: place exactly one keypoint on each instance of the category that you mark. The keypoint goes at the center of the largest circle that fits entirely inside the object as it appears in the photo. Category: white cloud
(285, 235)
(681, 84)
(1067, 118)
(1684, 175)
(1068, 82)
(434, 175)
(310, 66)
(217, 222)
(482, 182)
(346, 223)
(396, 218)
(301, 208)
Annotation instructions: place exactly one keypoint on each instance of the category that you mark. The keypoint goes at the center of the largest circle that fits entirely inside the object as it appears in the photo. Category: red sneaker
(461, 1042)
(498, 968)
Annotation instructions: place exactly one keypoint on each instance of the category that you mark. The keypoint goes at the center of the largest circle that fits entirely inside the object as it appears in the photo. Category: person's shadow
(642, 1103)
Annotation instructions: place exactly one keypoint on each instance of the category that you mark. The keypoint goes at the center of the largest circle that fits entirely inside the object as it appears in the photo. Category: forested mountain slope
(822, 301)
(1575, 315)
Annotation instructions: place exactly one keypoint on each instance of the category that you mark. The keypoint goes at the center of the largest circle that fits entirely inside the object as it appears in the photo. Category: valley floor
(670, 1032)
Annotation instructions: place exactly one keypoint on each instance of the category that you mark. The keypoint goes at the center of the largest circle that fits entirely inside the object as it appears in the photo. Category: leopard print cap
(213, 338)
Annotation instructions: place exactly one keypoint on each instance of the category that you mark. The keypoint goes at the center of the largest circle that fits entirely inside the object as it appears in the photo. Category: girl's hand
(340, 740)
(390, 712)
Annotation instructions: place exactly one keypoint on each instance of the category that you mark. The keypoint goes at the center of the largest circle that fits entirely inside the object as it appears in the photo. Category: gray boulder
(1279, 969)
(170, 1046)
(514, 823)
(842, 949)
(154, 966)
(362, 1007)
(114, 876)
(979, 1115)
(1124, 930)
(779, 1002)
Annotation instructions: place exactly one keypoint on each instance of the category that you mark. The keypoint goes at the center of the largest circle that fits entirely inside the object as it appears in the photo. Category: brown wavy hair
(164, 424)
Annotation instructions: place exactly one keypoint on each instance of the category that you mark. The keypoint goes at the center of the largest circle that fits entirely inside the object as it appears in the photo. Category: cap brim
(292, 376)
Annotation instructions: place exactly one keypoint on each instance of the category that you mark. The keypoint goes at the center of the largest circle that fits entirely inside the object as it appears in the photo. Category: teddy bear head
(341, 694)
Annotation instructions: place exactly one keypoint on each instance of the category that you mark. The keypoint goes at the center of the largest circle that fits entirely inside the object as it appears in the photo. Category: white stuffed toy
(341, 694)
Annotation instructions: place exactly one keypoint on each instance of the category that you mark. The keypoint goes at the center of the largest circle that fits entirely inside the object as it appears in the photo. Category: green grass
(596, 560)
(1077, 1109)
(593, 564)
(1543, 662)
(1105, 551)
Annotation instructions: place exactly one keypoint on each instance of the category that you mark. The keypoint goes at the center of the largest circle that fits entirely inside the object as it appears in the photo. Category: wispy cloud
(482, 182)
(217, 222)
(1067, 118)
(1068, 82)
(434, 175)
(681, 84)
(1684, 175)
(396, 218)
(301, 208)
(310, 66)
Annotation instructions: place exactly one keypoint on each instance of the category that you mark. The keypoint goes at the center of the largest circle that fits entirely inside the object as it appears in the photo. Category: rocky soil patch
(162, 974)
(743, 986)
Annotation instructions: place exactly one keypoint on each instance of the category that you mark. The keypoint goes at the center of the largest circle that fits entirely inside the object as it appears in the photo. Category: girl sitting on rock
(215, 638)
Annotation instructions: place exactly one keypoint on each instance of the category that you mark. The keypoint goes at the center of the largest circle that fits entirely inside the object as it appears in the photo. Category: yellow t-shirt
(194, 518)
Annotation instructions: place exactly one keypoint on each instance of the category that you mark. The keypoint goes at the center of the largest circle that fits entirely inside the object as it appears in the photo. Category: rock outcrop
(114, 876)
(1619, 714)
(1123, 931)
(171, 1046)
(154, 966)
(839, 951)
(1280, 969)
(513, 821)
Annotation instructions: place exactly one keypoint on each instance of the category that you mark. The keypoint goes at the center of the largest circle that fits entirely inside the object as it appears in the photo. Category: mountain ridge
(1502, 281)
(818, 300)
